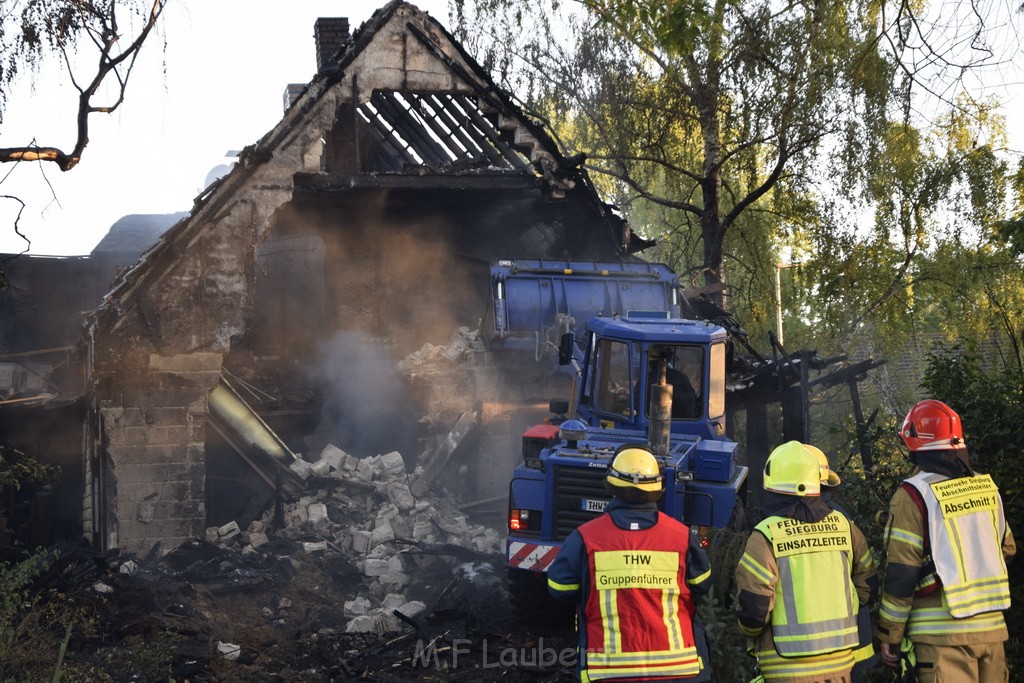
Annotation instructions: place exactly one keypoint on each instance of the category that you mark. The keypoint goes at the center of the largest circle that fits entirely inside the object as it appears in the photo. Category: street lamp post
(778, 297)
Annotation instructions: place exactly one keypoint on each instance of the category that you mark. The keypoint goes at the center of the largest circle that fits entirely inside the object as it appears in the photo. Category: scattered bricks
(382, 533)
(257, 539)
(402, 526)
(364, 470)
(395, 564)
(317, 547)
(357, 607)
(411, 609)
(365, 623)
(379, 551)
(401, 497)
(421, 529)
(321, 468)
(256, 527)
(393, 463)
(349, 464)
(392, 601)
(394, 580)
(295, 516)
(228, 651)
(317, 512)
(375, 567)
(333, 456)
(386, 513)
(302, 469)
(360, 541)
(229, 532)
(211, 534)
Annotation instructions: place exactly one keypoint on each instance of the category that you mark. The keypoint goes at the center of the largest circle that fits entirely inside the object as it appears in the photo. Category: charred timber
(326, 184)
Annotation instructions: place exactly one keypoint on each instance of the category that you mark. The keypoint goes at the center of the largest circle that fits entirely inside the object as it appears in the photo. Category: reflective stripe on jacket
(815, 601)
(966, 526)
(638, 613)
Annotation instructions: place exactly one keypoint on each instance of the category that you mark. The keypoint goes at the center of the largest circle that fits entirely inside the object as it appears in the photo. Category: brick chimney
(330, 34)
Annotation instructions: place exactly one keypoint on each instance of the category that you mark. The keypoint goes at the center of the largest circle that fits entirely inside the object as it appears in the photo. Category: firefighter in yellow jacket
(804, 575)
(947, 544)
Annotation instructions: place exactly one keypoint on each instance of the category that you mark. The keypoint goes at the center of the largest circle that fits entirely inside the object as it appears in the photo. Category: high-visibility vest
(966, 526)
(638, 610)
(816, 602)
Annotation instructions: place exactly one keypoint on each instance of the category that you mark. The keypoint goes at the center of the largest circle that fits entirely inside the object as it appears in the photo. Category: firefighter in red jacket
(635, 572)
(947, 544)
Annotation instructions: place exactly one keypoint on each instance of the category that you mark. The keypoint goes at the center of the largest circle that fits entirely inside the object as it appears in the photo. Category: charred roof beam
(410, 129)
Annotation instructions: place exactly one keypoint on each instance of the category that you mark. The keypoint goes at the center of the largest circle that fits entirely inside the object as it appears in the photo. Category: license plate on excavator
(594, 505)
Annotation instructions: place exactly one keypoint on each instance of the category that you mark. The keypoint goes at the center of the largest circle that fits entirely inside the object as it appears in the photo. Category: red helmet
(931, 426)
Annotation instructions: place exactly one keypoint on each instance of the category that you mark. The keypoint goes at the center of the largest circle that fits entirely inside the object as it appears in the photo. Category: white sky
(218, 86)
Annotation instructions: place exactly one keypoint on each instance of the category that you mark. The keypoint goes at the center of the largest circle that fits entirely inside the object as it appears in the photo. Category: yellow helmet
(791, 469)
(635, 467)
(828, 477)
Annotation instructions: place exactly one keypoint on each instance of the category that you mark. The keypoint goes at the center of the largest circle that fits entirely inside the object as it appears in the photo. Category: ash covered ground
(356, 580)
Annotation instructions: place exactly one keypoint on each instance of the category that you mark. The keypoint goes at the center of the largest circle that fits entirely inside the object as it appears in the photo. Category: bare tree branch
(117, 66)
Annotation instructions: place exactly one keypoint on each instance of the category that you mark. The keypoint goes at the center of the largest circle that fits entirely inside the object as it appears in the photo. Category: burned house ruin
(351, 234)
(306, 299)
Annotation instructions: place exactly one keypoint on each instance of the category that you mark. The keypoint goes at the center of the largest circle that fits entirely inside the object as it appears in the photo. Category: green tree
(739, 134)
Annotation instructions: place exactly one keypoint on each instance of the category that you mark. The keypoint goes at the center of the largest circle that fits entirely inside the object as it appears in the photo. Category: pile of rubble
(382, 522)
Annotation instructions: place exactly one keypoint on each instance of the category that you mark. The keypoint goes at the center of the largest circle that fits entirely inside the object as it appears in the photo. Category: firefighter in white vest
(803, 577)
(635, 572)
(947, 544)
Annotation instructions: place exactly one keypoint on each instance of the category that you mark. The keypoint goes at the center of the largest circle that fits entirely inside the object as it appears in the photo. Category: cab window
(612, 377)
(684, 365)
(716, 387)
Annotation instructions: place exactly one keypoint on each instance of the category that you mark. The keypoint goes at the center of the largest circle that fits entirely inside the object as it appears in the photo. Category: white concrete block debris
(211, 534)
(360, 541)
(101, 587)
(317, 547)
(401, 497)
(321, 468)
(317, 512)
(364, 470)
(228, 651)
(228, 532)
(392, 601)
(229, 528)
(393, 463)
(257, 539)
(421, 529)
(357, 607)
(333, 456)
(366, 623)
(302, 469)
(129, 567)
(382, 533)
(375, 567)
(411, 609)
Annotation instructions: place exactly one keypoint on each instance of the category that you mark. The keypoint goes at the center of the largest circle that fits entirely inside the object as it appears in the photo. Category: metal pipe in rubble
(659, 427)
